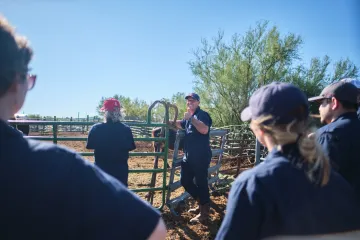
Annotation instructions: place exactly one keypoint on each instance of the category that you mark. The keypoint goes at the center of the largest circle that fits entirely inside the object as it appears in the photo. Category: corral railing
(148, 125)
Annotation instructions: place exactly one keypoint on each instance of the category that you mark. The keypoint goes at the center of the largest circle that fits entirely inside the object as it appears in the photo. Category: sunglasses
(31, 80)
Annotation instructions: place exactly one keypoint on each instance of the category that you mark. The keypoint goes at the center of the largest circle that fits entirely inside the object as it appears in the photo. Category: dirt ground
(178, 228)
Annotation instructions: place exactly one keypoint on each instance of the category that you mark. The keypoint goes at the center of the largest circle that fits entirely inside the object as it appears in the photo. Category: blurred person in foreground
(293, 192)
(49, 192)
(112, 141)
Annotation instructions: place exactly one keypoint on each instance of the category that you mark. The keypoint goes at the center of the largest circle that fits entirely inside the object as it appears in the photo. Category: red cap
(110, 104)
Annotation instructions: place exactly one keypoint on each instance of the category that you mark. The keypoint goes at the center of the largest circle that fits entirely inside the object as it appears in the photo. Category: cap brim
(313, 99)
(246, 114)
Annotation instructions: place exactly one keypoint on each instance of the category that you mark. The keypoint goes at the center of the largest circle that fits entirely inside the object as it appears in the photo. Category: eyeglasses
(31, 80)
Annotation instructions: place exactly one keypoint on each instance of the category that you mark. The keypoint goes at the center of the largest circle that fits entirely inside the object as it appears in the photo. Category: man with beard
(197, 155)
(339, 138)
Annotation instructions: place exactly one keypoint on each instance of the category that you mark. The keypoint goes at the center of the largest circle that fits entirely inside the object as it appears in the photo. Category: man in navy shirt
(49, 192)
(112, 141)
(197, 155)
(293, 193)
(339, 138)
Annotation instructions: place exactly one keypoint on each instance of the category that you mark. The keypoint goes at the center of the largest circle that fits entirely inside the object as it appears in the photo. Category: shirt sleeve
(330, 147)
(103, 208)
(205, 118)
(244, 214)
(91, 140)
(132, 145)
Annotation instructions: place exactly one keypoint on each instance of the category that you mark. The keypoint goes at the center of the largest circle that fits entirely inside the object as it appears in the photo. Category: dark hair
(349, 106)
(15, 55)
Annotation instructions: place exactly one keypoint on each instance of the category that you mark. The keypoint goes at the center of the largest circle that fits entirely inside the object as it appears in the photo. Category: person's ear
(335, 104)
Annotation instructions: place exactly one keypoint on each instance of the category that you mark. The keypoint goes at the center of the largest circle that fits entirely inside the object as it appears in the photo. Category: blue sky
(86, 49)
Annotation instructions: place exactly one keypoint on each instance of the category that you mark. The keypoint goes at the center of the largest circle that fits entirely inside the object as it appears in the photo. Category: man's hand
(187, 115)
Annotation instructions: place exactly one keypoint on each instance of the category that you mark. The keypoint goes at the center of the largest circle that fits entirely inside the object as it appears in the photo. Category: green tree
(226, 74)
(135, 109)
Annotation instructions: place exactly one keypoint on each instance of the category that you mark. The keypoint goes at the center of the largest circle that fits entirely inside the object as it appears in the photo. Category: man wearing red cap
(112, 141)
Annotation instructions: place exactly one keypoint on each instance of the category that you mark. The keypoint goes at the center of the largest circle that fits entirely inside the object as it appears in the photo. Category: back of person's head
(356, 83)
(279, 114)
(15, 56)
(112, 110)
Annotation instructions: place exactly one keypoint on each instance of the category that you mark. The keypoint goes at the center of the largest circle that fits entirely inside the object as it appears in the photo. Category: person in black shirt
(112, 141)
(197, 156)
(339, 138)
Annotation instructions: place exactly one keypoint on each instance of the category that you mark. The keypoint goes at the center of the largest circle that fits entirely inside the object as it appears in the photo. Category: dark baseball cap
(194, 96)
(341, 90)
(283, 101)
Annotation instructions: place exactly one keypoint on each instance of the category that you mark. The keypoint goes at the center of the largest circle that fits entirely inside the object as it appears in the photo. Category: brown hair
(298, 132)
(15, 55)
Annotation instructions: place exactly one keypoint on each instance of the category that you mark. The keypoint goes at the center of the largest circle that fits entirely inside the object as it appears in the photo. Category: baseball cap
(283, 101)
(341, 90)
(353, 81)
(110, 104)
(194, 96)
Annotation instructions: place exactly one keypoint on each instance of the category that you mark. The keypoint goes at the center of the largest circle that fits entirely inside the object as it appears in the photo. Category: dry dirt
(178, 228)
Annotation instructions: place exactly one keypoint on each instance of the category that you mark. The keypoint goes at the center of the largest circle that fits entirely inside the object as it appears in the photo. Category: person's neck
(339, 113)
(269, 143)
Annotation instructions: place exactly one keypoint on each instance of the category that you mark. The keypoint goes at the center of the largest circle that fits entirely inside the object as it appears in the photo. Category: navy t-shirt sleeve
(205, 118)
(91, 140)
(104, 208)
(243, 212)
(331, 149)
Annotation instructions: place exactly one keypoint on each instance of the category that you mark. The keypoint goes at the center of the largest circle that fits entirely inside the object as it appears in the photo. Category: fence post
(71, 119)
(257, 152)
(88, 120)
(55, 131)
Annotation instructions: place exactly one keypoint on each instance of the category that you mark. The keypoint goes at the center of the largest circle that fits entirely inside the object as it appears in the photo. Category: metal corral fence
(240, 141)
(236, 141)
(66, 126)
(56, 125)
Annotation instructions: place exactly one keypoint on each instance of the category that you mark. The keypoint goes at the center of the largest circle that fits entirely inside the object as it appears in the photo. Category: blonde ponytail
(318, 166)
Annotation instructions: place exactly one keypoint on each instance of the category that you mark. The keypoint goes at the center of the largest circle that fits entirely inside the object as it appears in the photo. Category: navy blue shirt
(196, 144)
(111, 142)
(358, 113)
(276, 198)
(50, 192)
(340, 141)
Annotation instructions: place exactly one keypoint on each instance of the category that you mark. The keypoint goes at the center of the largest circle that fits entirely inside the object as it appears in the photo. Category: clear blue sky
(86, 49)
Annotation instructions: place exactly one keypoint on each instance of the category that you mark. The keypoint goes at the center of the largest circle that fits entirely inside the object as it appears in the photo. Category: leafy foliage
(227, 73)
